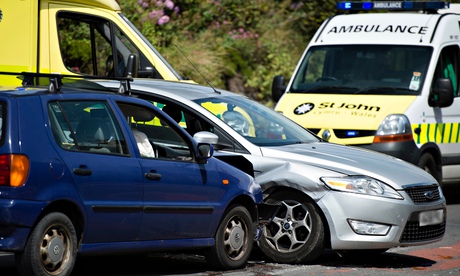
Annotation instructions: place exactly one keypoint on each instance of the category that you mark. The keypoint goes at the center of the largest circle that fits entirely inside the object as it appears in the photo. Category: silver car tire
(297, 232)
(233, 241)
(51, 248)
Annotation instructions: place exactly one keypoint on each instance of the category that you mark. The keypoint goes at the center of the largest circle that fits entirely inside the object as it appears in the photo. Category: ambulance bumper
(407, 151)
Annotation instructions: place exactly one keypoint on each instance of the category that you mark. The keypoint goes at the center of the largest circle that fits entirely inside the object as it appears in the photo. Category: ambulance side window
(447, 67)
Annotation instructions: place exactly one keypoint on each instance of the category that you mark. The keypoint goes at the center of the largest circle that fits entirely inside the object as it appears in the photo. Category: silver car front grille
(414, 233)
(423, 194)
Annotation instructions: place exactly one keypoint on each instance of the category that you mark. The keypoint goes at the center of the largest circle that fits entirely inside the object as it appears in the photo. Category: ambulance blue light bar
(391, 5)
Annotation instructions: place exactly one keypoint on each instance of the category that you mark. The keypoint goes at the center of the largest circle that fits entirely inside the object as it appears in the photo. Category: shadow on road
(452, 194)
(146, 264)
(180, 264)
(385, 260)
(183, 264)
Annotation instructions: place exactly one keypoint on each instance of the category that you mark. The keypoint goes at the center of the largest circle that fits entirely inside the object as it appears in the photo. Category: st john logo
(304, 108)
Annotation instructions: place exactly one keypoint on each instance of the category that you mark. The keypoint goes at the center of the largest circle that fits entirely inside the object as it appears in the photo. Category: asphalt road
(441, 258)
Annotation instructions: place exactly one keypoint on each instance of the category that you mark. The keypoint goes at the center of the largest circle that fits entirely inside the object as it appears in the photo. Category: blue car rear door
(107, 176)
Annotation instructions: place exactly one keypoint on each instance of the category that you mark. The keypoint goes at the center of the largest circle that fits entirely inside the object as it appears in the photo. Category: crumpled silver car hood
(349, 161)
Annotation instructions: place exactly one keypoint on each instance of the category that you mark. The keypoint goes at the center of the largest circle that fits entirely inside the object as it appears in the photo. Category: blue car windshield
(257, 123)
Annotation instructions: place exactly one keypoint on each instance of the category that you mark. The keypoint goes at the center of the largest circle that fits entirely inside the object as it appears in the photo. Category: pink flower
(169, 4)
(155, 14)
(163, 20)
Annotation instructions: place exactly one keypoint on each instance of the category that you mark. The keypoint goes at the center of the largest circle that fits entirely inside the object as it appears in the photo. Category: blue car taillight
(14, 169)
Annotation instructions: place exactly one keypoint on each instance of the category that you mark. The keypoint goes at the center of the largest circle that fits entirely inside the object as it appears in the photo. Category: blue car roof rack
(55, 80)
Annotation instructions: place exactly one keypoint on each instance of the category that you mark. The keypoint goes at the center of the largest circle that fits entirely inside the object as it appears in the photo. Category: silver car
(332, 196)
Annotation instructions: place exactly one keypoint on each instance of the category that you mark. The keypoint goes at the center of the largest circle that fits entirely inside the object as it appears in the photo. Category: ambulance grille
(314, 130)
(423, 194)
(414, 233)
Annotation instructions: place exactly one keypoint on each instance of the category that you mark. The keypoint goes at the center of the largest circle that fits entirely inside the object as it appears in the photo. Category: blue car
(78, 177)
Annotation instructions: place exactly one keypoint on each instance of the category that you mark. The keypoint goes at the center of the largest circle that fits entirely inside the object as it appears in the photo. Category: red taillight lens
(14, 169)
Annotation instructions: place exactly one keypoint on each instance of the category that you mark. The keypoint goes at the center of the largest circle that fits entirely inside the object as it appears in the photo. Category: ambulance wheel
(296, 233)
(428, 164)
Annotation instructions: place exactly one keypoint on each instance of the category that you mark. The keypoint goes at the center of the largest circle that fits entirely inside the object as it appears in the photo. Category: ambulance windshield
(363, 69)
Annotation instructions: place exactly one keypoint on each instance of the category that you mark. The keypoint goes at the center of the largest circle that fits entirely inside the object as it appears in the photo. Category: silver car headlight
(361, 185)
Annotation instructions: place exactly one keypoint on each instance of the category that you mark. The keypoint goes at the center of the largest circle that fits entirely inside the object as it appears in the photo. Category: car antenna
(215, 90)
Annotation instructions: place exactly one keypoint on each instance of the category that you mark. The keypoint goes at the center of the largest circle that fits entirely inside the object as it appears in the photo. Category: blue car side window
(155, 137)
(86, 126)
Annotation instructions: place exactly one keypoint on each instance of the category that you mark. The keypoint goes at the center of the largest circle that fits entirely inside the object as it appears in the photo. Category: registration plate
(431, 217)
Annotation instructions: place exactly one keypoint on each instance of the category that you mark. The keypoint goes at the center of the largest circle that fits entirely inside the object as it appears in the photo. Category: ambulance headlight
(394, 124)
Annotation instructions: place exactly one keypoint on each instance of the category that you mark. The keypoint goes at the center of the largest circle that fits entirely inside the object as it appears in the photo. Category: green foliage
(239, 45)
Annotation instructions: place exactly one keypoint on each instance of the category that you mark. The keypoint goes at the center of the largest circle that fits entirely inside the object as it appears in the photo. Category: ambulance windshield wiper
(386, 90)
(333, 89)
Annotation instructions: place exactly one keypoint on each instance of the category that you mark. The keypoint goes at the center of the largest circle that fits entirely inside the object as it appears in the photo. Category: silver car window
(256, 122)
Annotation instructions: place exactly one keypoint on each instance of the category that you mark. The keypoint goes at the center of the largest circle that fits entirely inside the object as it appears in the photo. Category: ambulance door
(442, 125)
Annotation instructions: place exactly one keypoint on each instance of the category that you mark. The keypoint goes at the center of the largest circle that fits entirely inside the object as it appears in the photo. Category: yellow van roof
(108, 4)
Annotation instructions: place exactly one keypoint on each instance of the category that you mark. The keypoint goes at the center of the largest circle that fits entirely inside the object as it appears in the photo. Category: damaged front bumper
(266, 213)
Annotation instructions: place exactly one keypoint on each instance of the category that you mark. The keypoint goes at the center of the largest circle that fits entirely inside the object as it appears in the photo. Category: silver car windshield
(257, 123)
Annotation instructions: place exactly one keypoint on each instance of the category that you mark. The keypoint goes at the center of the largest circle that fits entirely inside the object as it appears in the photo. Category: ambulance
(84, 37)
(384, 76)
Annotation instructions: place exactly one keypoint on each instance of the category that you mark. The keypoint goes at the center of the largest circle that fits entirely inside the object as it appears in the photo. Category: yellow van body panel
(18, 25)
(106, 4)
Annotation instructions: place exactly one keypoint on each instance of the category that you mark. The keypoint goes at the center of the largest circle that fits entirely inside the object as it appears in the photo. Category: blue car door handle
(82, 172)
(152, 175)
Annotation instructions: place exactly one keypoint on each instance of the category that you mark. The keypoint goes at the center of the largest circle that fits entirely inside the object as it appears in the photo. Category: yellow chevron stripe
(440, 133)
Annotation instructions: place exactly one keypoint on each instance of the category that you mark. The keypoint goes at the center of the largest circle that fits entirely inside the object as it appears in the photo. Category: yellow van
(73, 37)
